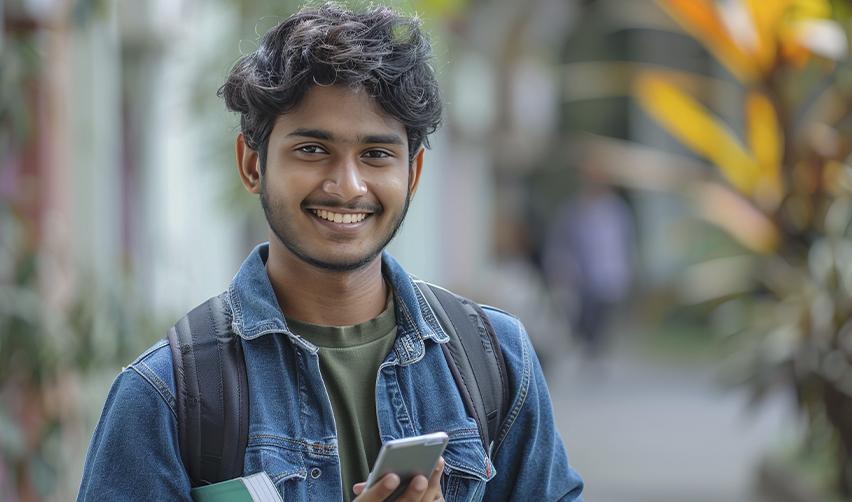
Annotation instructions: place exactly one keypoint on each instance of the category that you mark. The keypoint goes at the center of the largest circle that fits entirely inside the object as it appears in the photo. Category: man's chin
(337, 263)
(343, 266)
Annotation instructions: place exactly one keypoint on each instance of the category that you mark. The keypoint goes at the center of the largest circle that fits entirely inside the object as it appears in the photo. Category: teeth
(340, 217)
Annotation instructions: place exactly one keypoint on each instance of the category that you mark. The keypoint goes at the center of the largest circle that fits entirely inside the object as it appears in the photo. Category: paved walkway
(640, 431)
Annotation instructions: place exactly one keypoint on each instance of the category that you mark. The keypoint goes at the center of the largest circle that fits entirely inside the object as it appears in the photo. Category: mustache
(363, 206)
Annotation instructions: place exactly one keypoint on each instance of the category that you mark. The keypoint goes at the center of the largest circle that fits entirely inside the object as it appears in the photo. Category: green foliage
(46, 346)
(795, 318)
(787, 315)
(46, 350)
(19, 62)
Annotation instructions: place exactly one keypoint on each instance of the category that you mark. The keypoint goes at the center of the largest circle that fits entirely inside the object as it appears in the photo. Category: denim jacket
(134, 453)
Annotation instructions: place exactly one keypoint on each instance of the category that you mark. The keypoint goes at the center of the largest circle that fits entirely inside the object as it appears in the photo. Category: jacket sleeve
(528, 454)
(134, 453)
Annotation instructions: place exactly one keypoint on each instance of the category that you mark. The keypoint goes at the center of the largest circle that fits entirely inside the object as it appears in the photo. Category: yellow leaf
(764, 132)
(701, 19)
(692, 124)
(794, 52)
(765, 139)
(807, 29)
(809, 9)
(766, 16)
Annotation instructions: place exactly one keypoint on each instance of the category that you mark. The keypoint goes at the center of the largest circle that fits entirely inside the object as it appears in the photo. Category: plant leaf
(766, 16)
(736, 216)
(692, 124)
(701, 19)
(766, 142)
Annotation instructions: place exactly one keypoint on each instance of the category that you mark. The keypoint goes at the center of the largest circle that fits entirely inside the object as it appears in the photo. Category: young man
(342, 354)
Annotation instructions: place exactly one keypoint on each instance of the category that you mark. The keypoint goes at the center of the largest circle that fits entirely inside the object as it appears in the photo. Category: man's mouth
(339, 217)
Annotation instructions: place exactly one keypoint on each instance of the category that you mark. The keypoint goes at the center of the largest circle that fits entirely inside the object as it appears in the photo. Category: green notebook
(255, 488)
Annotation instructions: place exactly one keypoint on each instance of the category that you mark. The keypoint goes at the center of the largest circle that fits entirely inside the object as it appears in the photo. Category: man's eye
(377, 154)
(310, 149)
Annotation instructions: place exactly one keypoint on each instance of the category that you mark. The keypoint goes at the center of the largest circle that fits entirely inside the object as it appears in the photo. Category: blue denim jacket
(134, 453)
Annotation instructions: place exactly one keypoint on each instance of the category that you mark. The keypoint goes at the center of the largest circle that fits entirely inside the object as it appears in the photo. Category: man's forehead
(341, 113)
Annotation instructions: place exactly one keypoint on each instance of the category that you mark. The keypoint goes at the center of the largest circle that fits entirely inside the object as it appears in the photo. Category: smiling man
(342, 349)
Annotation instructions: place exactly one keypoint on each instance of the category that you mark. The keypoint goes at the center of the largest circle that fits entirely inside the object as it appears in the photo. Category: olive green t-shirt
(349, 359)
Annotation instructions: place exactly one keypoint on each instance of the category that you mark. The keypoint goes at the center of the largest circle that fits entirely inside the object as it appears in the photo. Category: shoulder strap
(474, 357)
(212, 393)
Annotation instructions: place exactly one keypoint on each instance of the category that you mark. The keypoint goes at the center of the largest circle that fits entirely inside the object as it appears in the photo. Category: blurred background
(661, 190)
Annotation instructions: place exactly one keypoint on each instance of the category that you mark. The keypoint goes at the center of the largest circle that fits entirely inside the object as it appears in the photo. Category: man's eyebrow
(382, 139)
(313, 133)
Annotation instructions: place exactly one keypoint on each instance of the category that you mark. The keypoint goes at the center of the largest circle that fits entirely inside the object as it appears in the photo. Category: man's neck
(325, 297)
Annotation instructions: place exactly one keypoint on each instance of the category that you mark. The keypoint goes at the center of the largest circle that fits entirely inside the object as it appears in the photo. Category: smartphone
(407, 458)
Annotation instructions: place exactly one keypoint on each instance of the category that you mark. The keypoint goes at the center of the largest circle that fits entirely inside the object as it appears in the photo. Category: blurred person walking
(343, 349)
(588, 257)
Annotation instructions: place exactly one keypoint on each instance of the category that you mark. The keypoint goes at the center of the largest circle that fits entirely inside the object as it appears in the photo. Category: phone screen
(407, 458)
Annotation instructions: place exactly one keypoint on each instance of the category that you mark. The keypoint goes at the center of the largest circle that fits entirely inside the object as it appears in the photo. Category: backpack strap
(474, 357)
(212, 393)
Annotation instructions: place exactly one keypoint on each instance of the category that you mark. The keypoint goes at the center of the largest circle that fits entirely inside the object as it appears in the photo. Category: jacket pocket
(467, 468)
(283, 466)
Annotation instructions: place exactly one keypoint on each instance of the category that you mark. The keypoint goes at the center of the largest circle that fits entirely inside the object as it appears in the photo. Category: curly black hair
(377, 49)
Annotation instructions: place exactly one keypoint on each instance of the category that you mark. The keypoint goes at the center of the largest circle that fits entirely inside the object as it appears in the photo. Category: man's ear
(248, 165)
(414, 171)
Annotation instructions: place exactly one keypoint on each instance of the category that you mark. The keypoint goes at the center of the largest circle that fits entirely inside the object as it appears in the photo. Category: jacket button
(316, 472)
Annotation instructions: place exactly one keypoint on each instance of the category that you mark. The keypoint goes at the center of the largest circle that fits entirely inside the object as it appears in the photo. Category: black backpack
(212, 390)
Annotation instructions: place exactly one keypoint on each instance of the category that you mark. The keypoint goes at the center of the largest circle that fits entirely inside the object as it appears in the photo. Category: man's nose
(345, 180)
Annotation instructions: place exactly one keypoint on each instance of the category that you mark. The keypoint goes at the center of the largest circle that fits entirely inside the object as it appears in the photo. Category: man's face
(338, 180)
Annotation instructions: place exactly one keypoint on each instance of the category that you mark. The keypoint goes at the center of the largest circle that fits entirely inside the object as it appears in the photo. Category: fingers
(419, 489)
(378, 491)
(435, 480)
(358, 488)
(423, 490)
(434, 490)
(416, 489)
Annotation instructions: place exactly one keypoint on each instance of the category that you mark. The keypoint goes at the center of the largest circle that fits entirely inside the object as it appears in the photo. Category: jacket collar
(255, 310)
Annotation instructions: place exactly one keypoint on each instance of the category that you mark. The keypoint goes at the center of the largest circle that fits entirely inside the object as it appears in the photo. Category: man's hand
(419, 490)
